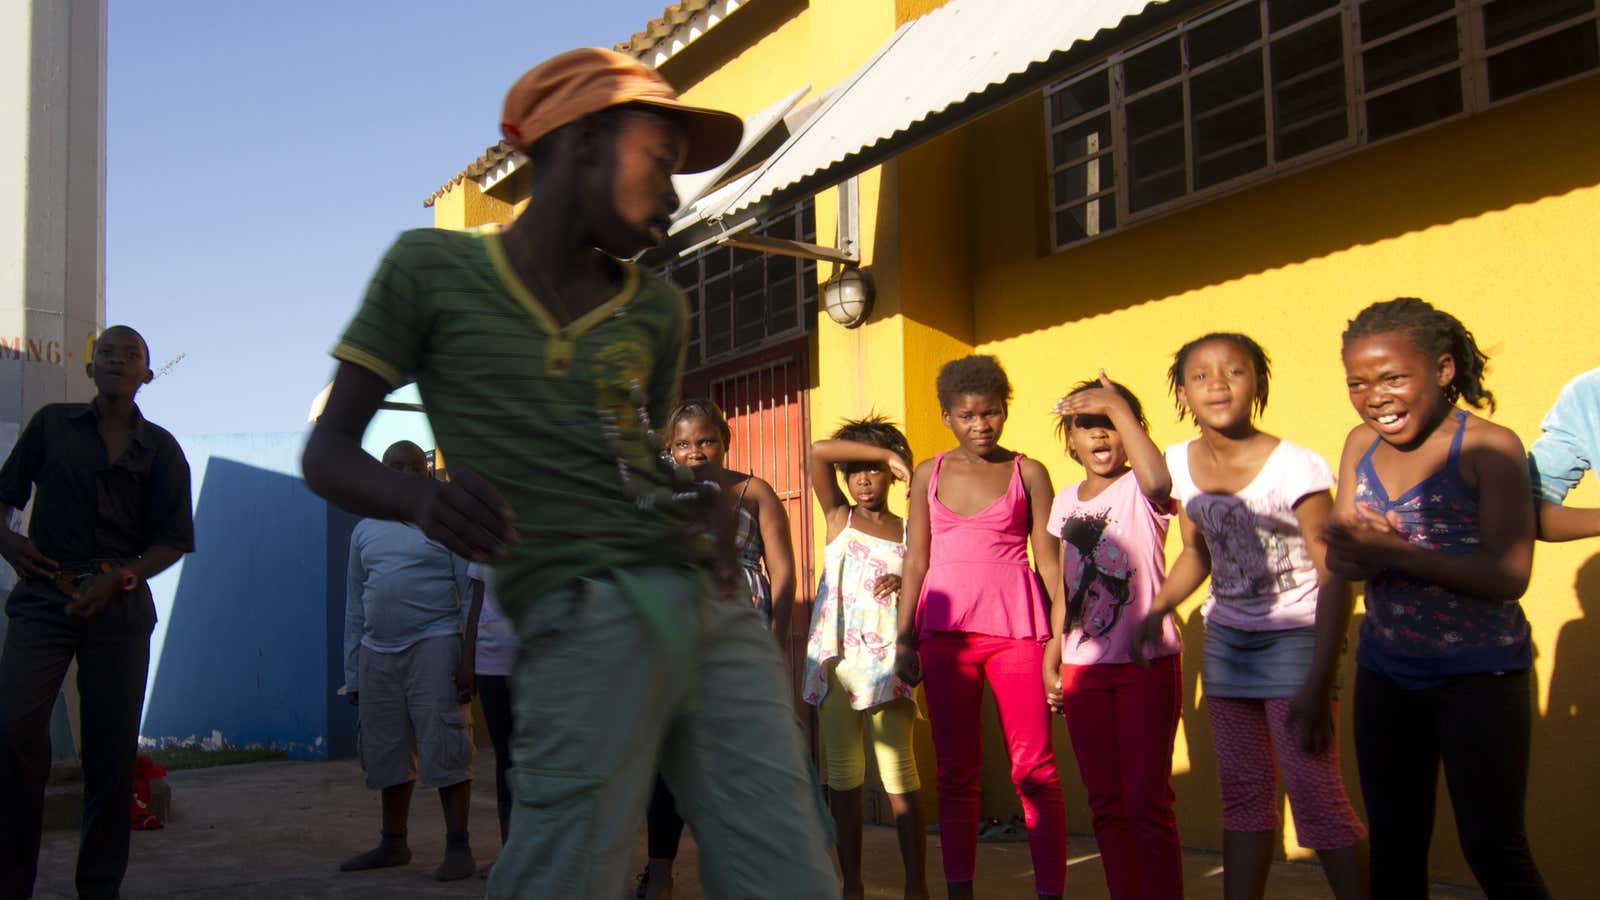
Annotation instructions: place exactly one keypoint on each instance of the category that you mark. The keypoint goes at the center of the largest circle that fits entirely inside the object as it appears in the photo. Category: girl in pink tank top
(982, 615)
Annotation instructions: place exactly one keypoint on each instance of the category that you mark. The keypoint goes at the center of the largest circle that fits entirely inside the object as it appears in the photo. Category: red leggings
(1123, 720)
(955, 666)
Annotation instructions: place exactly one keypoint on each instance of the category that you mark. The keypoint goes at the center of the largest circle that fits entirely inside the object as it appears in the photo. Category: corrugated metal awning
(935, 73)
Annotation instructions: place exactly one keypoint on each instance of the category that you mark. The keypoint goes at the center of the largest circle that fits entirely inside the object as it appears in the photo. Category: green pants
(601, 700)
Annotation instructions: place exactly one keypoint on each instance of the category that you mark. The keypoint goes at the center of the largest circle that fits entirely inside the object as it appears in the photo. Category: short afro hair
(976, 374)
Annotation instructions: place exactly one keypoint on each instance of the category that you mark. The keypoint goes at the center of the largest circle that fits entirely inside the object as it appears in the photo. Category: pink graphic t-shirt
(1113, 563)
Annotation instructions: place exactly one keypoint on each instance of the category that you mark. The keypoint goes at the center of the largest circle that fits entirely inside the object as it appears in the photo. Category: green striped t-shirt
(518, 397)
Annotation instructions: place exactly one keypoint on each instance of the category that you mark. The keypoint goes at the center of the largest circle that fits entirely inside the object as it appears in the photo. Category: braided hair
(1436, 333)
(1258, 359)
(701, 409)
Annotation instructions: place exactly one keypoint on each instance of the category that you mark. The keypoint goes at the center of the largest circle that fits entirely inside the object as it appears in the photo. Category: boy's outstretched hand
(25, 557)
(467, 515)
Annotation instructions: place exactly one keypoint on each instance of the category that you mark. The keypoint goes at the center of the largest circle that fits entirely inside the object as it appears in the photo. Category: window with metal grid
(743, 300)
(1255, 88)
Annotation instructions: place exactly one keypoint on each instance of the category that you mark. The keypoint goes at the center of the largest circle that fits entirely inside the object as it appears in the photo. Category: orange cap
(564, 89)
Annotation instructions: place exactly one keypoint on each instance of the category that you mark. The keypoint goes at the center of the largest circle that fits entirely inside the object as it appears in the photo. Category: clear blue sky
(261, 156)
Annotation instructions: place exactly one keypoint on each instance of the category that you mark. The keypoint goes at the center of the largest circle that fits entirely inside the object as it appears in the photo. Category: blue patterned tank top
(1417, 633)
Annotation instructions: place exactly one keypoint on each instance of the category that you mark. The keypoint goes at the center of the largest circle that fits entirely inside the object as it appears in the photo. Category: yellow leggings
(890, 725)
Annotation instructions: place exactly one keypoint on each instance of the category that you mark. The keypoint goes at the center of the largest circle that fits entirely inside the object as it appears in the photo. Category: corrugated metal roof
(930, 67)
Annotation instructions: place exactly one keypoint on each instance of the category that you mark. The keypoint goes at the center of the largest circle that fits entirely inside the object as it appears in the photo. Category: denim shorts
(1257, 664)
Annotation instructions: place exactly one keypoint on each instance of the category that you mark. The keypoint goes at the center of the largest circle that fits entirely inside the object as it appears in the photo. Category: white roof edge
(689, 31)
(928, 66)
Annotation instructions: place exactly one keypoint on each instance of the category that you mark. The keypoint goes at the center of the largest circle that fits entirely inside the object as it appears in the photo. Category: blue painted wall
(242, 648)
(249, 645)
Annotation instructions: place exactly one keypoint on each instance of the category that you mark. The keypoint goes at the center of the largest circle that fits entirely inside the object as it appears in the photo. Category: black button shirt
(89, 507)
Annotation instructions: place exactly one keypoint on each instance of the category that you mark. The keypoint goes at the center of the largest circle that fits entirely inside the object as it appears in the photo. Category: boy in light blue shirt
(1568, 447)
(408, 671)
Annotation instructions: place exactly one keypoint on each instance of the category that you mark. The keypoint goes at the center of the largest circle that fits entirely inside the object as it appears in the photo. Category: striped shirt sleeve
(389, 331)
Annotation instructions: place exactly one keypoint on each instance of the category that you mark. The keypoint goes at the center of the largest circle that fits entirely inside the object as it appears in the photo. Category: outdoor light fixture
(847, 297)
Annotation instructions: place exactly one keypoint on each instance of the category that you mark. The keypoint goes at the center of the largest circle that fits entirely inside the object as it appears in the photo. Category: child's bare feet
(458, 862)
(391, 851)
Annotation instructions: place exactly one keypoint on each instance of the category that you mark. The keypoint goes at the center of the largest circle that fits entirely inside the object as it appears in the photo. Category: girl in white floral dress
(849, 673)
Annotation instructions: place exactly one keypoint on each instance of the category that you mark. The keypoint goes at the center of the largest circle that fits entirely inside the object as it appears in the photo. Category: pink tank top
(979, 579)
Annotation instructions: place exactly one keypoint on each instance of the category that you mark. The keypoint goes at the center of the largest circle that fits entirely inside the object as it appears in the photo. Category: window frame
(1471, 62)
(798, 217)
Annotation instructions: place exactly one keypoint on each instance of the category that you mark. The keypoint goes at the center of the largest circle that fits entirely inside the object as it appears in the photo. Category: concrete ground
(277, 831)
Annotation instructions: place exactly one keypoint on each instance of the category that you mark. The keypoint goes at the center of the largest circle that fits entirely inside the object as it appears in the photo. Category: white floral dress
(852, 631)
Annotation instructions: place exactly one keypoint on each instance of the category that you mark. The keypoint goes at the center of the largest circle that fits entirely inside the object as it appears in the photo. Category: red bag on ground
(145, 771)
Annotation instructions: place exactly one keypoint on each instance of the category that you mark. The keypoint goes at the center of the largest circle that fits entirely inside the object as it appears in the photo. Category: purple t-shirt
(1113, 563)
(1262, 574)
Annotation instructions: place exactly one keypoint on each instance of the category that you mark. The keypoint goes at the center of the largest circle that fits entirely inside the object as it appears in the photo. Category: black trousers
(113, 655)
(494, 692)
(663, 825)
(1480, 727)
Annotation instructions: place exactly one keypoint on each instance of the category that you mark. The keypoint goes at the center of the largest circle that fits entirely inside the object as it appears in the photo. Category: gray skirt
(1257, 665)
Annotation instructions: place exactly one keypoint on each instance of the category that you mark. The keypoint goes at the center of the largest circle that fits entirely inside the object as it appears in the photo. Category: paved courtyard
(277, 831)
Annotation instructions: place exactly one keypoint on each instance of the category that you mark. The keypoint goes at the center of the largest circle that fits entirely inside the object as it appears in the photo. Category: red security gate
(764, 396)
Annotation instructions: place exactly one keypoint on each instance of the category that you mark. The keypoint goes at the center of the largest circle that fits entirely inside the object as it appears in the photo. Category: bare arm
(919, 540)
(777, 553)
(465, 514)
(825, 480)
(1188, 571)
(1559, 523)
(1046, 546)
(1148, 463)
(1334, 606)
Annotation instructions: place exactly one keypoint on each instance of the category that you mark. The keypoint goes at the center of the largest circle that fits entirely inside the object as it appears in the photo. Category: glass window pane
(1085, 221)
(1283, 13)
(1079, 97)
(1229, 165)
(1381, 17)
(1152, 67)
(1226, 33)
(782, 306)
(1156, 148)
(1235, 125)
(1082, 180)
(1085, 138)
(1309, 96)
(718, 317)
(1506, 20)
(1225, 84)
(1415, 105)
(1413, 54)
(1544, 61)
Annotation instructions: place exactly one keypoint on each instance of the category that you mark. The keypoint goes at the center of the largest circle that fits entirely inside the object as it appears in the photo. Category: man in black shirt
(112, 511)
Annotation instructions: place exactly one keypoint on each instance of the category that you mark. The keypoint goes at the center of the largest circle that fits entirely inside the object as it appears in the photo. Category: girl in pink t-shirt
(1122, 718)
(981, 616)
(1252, 511)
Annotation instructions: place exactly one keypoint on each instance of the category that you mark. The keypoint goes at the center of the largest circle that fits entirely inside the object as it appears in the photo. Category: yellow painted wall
(1491, 218)
(465, 206)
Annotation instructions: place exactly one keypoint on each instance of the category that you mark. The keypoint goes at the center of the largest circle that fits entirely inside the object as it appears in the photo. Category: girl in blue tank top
(1433, 514)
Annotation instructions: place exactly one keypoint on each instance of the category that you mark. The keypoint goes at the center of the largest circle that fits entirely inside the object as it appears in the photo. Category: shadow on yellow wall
(1491, 218)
